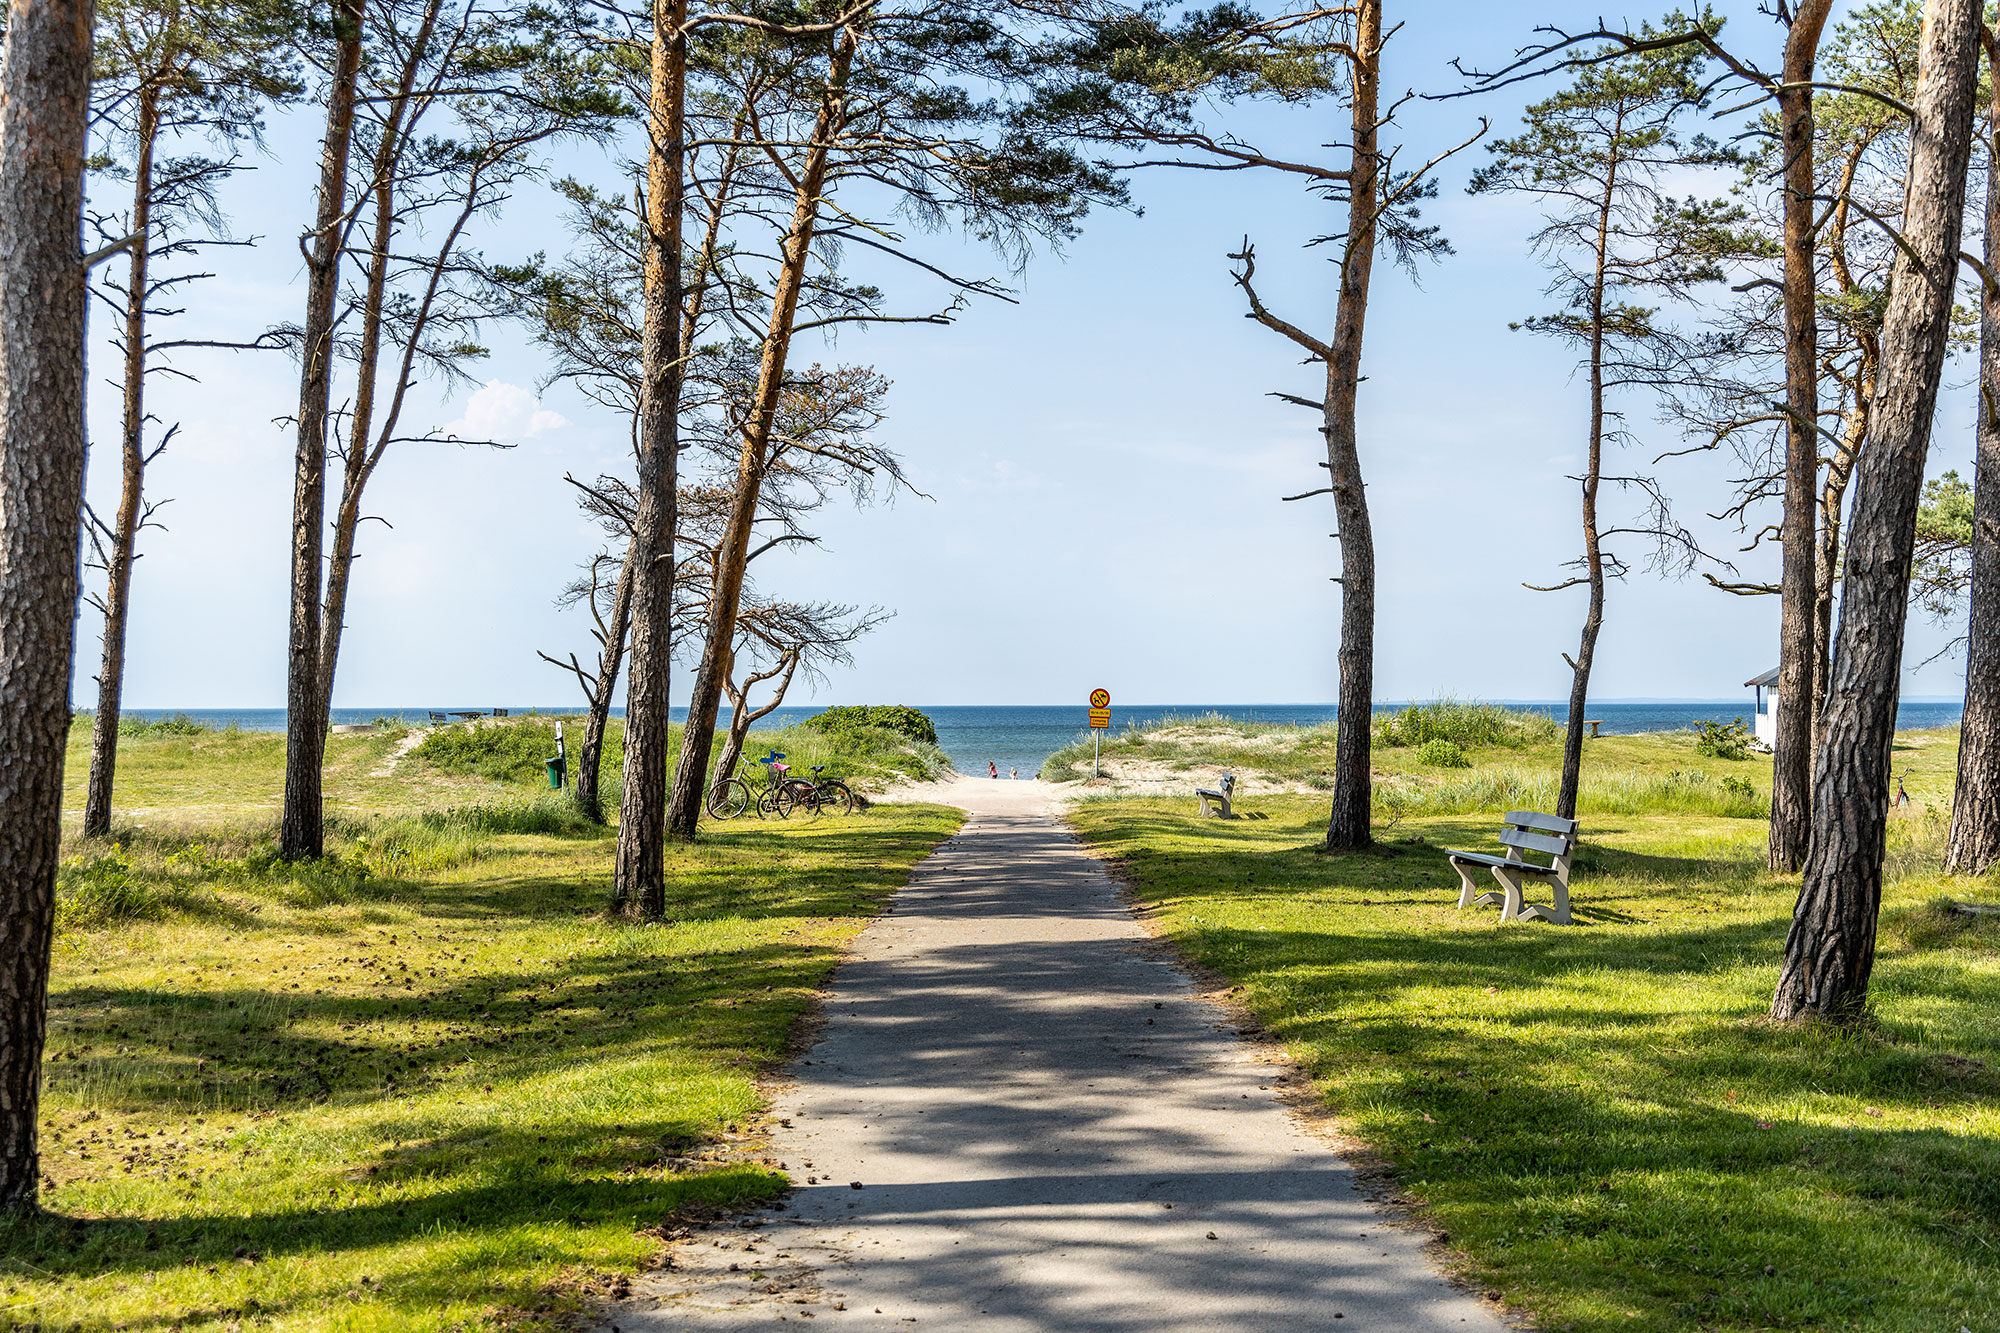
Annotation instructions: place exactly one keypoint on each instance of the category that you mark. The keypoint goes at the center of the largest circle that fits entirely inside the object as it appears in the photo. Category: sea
(1019, 737)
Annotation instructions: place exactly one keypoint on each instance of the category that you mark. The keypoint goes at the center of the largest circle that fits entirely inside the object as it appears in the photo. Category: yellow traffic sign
(1100, 718)
(1100, 699)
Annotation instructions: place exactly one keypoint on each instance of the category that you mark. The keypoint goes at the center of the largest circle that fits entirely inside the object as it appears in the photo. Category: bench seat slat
(1534, 842)
(1535, 819)
(1481, 859)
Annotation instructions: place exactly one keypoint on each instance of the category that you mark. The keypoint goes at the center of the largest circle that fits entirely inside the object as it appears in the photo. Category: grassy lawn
(1598, 1117)
(429, 1083)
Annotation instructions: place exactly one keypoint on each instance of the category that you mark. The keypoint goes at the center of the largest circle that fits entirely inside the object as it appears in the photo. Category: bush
(180, 724)
(1443, 754)
(1722, 740)
(505, 750)
(902, 720)
(1466, 725)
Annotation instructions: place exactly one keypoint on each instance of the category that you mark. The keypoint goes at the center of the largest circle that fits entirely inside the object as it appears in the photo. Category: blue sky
(1101, 460)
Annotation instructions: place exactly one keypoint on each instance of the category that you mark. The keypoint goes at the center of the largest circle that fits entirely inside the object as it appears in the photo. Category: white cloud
(498, 410)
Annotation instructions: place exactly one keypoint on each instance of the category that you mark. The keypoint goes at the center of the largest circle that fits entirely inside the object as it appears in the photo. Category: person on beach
(1013, 775)
(992, 770)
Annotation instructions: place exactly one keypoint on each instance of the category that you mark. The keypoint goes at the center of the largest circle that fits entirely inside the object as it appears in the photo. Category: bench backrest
(1228, 783)
(1533, 831)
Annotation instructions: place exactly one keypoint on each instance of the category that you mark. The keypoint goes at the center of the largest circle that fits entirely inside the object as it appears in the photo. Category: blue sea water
(1022, 736)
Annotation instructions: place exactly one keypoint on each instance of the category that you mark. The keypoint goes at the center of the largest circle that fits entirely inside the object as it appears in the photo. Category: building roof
(1768, 678)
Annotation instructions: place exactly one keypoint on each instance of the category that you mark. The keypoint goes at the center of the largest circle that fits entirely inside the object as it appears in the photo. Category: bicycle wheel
(775, 802)
(727, 800)
(836, 799)
(805, 797)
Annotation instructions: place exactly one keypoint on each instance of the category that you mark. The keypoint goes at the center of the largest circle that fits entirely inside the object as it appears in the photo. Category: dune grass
(1599, 1118)
(428, 1083)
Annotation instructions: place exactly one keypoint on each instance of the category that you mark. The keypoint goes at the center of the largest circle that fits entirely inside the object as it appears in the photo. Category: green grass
(177, 777)
(1598, 1117)
(428, 1083)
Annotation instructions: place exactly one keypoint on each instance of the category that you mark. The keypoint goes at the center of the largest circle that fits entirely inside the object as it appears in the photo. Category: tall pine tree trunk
(1830, 949)
(1347, 823)
(1593, 552)
(132, 483)
(302, 832)
(639, 879)
(1974, 843)
(44, 108)
(732, 551)
(1791, 781)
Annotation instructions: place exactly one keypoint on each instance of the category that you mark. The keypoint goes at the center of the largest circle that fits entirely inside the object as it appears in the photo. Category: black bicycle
(777, 797)
(822, 796)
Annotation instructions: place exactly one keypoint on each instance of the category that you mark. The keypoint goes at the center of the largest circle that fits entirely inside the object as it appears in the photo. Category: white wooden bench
(1526, 831)
(1219, 799)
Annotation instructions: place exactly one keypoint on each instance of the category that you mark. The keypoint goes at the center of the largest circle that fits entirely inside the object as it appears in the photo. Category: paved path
(1051, 1132)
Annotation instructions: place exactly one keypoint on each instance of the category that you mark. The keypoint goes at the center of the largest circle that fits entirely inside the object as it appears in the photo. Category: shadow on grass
(1600, 1114)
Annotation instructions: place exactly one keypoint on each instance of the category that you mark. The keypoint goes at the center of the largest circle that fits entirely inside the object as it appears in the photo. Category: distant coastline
(1021, 736)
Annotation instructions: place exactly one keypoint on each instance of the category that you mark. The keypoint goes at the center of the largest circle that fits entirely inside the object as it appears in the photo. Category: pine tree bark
(584, 791)
(1853, 436)
(364, 448)
(1348, 822)
(1791, 782)
(639, 878)
(302, 832)
(1593, 551)
(1974, 842)
(1830, 949)
(132, 482)
(732, 552)
(44, 109)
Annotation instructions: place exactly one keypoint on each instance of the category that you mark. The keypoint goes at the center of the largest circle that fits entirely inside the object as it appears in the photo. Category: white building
(1766, 687)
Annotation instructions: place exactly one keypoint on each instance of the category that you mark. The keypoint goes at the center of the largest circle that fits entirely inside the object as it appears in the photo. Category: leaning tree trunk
(44, 108)
(639, 879)
(742, 717)
(590, 753)
(1347, 822)
(1791, 781)
(732, 552)
(1831, 947)
(302, 833)
(1974, 844)
(132, 484)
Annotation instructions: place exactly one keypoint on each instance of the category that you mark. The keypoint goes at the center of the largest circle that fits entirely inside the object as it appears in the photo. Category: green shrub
(1467, 725)
(1722, 740)
(902, 720)
(180, 724)
(507, 750)
(1442, 753)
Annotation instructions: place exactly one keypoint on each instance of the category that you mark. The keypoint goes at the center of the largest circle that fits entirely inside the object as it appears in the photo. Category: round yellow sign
(1100, 698)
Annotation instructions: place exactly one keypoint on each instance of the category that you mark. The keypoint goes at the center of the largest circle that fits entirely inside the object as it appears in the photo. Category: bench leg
(1510, 908)
(1226, 812)
(1204, 806)
(1469, 891)
(1555, 914)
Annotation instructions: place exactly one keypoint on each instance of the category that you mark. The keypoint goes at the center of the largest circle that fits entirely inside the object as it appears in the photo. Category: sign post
(1100, 720)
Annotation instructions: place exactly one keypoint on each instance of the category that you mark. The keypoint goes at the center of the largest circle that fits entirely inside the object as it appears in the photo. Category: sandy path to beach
(1020, 1116)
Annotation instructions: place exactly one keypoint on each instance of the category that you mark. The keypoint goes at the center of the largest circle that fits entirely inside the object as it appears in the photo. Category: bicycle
(822, 796)
(730, 798)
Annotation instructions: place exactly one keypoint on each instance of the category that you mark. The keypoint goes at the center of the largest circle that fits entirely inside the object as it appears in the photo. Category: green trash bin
(555, 767)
